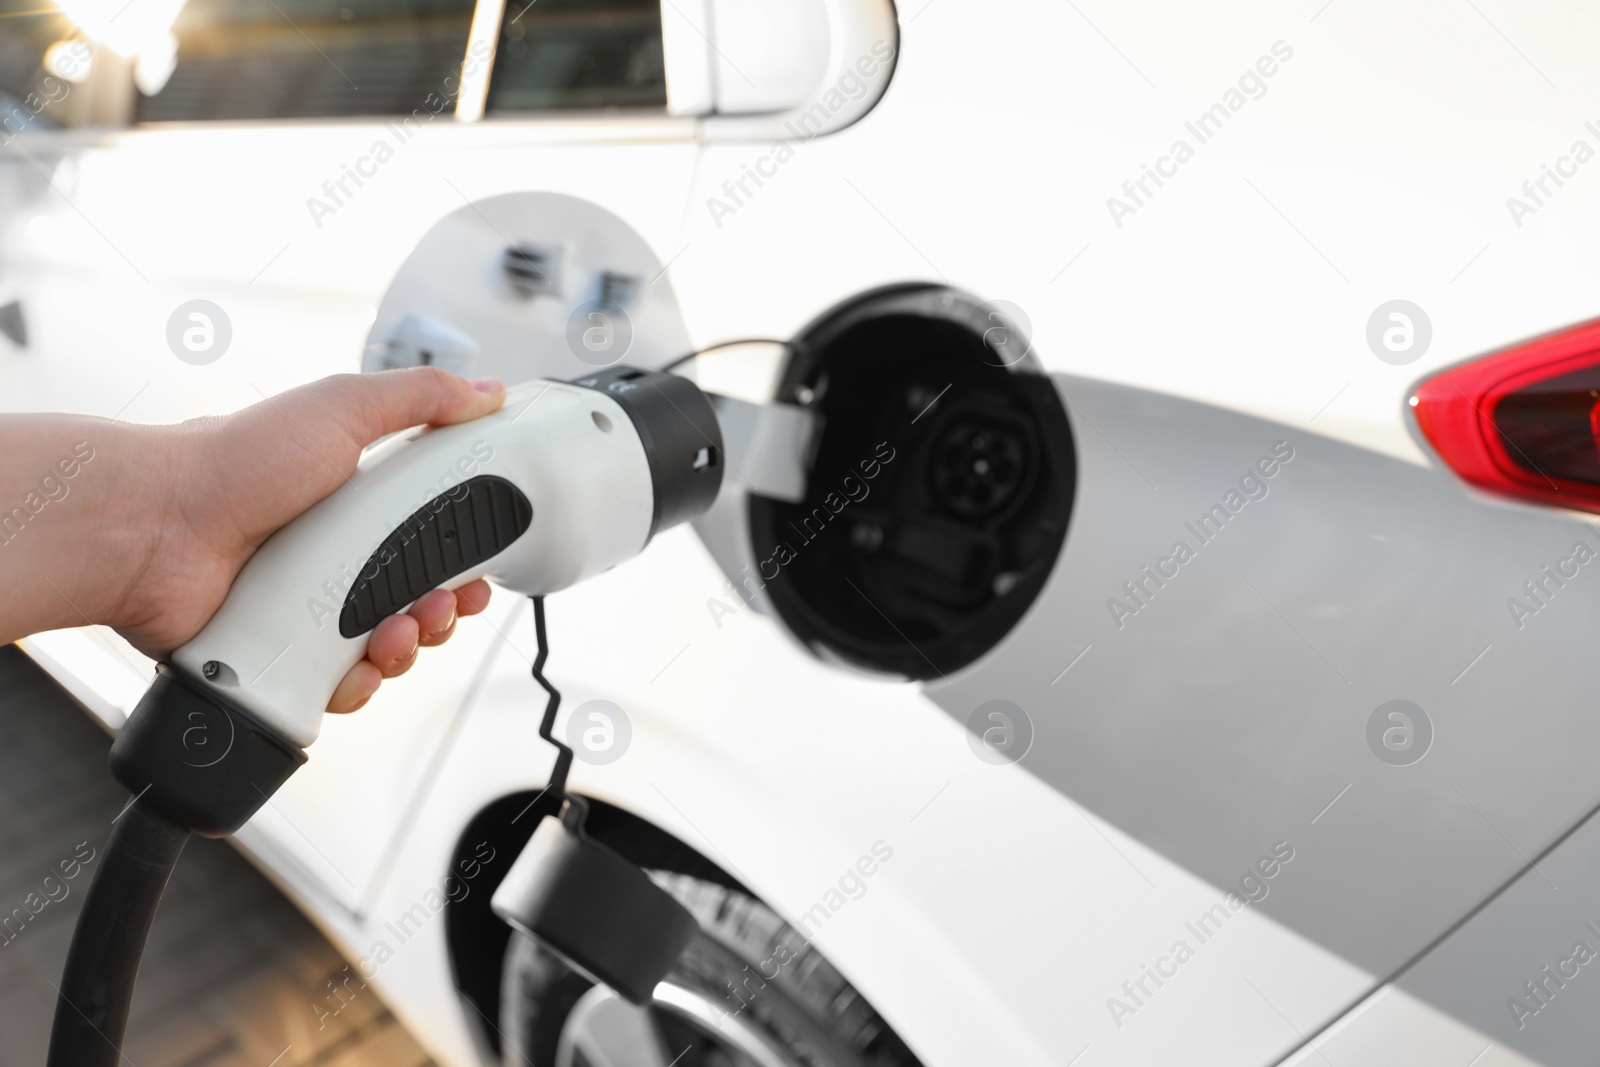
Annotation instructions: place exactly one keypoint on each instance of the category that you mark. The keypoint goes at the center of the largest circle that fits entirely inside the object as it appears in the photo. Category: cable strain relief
(198, 758)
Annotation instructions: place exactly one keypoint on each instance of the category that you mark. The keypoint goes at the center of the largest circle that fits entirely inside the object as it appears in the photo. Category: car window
(269, 59)
(288, 59)
(557, 55)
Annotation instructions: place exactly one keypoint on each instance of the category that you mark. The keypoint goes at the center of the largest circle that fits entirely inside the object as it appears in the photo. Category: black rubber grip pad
(453, 532)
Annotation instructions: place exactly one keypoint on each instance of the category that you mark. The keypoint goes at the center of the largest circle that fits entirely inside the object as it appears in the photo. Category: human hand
(167, 515)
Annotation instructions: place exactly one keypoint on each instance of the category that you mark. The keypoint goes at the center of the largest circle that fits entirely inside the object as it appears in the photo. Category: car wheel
(748, 992)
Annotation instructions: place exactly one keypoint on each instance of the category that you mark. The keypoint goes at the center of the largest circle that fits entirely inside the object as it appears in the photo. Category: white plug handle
(281, 641)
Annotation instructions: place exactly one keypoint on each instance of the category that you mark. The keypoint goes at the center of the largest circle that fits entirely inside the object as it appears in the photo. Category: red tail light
(1524, 422)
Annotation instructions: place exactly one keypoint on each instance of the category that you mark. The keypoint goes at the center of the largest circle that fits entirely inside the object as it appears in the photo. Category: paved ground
(232, 970)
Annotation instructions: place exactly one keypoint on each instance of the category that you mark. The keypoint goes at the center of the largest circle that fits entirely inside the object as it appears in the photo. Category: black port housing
(938, 497)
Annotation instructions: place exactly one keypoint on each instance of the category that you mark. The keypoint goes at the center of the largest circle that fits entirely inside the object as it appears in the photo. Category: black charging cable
(673, 364)
(558, 774)
(97, 983)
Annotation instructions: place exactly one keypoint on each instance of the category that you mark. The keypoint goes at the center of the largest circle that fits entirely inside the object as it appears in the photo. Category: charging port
(938, 494)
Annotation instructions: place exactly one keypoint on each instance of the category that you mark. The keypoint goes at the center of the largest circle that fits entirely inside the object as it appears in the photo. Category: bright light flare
(130, 30)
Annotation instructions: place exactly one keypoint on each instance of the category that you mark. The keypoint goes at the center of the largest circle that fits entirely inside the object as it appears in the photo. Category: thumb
(296, 448)
(373, 405)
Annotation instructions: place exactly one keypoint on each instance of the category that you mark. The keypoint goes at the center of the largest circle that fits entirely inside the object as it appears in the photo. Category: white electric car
(1180, 649)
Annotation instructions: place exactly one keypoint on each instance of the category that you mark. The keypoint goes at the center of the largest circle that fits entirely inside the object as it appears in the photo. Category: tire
(716, 1007)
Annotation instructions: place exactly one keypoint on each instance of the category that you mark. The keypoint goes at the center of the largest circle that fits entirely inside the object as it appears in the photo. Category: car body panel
(786, 786)
(1516, 972)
